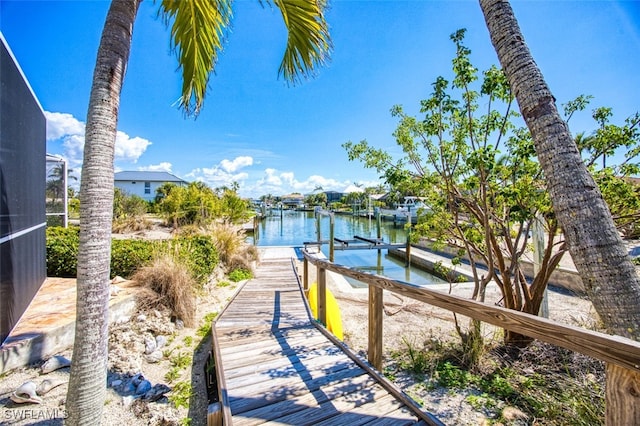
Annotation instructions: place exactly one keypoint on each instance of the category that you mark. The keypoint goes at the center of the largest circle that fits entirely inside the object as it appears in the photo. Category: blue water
(294, 228)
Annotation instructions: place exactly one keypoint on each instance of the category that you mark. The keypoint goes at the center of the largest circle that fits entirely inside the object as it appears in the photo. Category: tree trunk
(87, 382)
(597, 250)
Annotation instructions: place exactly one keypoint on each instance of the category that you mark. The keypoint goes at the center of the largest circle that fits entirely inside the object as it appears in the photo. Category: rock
(179, 324)
(154, 357)
(140, 408)
(164, 414)
(141, 318)
(161, 341)
(137, 379)
(55, 363)
(48, 384)
(114, 290)
(143, 387)
(511, 414)
(156, 392)
(123, 319)
(123, 360)
(26, 393)
(150, 345)
(130, 388)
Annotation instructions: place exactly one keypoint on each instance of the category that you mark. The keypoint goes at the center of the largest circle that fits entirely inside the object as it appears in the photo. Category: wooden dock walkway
(276, 367)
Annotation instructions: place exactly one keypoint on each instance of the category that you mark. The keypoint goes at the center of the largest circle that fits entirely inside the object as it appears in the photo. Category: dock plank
(278, 368)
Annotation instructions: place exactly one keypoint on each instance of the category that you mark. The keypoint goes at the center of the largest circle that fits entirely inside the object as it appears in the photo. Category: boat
(409, 208)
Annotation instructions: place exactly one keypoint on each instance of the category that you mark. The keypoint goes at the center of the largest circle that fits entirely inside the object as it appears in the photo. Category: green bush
(62, 251)
(127, 205)
(197, 253)
(239, 275)
(200, 255)
(129, 255)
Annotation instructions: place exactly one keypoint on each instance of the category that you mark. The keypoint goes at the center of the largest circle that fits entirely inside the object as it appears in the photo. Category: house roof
(147, 176)
(352, 188)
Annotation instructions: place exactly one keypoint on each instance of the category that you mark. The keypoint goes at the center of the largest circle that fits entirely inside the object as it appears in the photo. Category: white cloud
(66, 128)
(270, 178)
(73, 148)
(128, 148)
(282, 183)
(236, 163)
(61, 124)
(162, 167)
(223, 174)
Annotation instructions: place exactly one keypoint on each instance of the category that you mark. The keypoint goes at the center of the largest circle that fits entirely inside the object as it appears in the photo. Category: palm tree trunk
(597, 250)
(87, 382)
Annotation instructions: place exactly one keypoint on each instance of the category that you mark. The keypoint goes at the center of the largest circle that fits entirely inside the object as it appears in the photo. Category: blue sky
(276, 139)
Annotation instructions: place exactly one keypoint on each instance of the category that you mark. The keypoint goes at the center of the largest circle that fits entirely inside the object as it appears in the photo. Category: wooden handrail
(622, 355)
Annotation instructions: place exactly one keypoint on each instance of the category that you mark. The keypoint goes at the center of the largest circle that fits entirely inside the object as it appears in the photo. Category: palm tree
(597, 250)
(198, 27)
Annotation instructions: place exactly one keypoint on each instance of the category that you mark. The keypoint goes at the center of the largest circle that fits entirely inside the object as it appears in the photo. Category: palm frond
(308, 41)
(198, 30)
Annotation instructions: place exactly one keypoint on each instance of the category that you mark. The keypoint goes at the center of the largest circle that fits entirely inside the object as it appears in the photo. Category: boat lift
(357, 243)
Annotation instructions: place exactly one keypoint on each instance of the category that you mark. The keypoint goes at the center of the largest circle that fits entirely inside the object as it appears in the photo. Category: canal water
(294, 228)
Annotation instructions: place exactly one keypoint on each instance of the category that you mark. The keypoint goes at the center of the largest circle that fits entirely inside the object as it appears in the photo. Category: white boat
(409, 208)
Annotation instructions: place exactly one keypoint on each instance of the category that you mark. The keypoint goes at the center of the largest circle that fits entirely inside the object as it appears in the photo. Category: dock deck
(276, 367)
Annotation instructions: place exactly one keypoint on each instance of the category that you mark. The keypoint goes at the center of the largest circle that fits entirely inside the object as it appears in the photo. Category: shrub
(167, 282)
(239, 275)
(198, 253)
(229, 240)
(62, 251)
(129, 212)
(129, 255)
(127, 205)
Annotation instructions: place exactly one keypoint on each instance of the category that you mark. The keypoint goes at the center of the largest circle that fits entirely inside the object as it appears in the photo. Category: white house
(144, 184)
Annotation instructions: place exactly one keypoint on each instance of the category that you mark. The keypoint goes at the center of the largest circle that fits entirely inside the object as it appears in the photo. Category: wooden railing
(621, 355)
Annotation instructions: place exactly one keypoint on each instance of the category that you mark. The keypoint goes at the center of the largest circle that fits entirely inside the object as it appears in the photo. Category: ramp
(276, 367)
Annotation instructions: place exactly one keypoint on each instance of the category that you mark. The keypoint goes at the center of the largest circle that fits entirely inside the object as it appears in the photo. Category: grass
(181, 394)
(240, 274)
(181, 360)
(169, 283)
(205, 328)
(172, 375)
(543, 382)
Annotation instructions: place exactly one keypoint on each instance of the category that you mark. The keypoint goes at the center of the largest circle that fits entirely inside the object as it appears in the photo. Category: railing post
(408, 249)
(331, 236)
(318, 232)
(322, 295)
(622, 396)
(305, 271)
(375, 326)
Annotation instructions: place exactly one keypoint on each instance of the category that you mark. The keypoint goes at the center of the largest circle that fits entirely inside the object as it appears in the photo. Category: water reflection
(294, 228)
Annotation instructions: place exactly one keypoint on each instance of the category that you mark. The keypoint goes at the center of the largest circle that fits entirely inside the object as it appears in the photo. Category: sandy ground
(409, 322)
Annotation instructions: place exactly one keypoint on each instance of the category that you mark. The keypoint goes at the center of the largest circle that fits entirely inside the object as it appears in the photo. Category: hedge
(197, 252)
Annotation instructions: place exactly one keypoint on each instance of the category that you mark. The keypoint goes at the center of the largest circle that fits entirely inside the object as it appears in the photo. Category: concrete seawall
(425, 258)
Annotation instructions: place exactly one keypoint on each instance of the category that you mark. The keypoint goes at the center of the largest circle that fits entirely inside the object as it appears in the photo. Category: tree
(163, 191)
(316, 199)
(608, 274)
(615, 179)
(198, 28)
(475, 172)
(233, 208)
